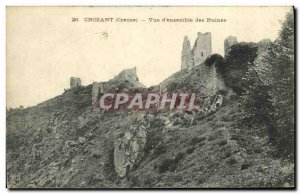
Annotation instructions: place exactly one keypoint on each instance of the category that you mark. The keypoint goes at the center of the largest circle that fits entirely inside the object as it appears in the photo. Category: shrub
(169, 164)
(179, 157)
(201, 178)
(215, 135)
(159, 150)
(231, 161)
(190, 150)
(196, 140)
(223, 142)
(165, 165)
(245, 166)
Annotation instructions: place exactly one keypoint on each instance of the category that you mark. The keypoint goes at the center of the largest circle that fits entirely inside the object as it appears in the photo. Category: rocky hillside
(65, 142)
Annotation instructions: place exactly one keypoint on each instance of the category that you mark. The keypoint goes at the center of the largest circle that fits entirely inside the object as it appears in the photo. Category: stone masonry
(201, 50)
(202, 47)
(97, 90)
(186, 54)
(75, 82)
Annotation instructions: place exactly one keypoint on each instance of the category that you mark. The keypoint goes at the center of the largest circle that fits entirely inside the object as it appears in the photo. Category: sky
(45, 48)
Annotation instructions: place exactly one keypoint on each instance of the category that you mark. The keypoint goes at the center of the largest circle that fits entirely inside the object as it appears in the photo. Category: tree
(268, 97)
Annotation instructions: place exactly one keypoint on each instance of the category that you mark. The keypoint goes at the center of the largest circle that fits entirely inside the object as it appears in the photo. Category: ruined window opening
(201, 54)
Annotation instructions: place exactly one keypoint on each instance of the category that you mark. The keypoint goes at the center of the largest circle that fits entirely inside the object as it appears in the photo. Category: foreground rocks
(129, 149)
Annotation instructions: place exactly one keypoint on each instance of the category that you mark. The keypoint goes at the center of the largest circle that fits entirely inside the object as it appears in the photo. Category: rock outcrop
(129, 150)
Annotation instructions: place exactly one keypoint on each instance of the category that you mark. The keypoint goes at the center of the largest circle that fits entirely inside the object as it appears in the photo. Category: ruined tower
(186, 54)
(202, 48)
(75, 82)
(228, 42)
(96, 91)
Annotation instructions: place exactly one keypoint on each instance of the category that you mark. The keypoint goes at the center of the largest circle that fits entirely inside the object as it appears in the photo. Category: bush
(201, 178)
(190, 150)
(231, 161)
(196, 140)
(154, 143)
(122, 85)
(215, 135)
(165, 165)
(179, 157)
(239, 59)
(159, 150)
(169, 164)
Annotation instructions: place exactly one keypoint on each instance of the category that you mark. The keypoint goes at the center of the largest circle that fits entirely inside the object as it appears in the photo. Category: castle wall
(210, 80)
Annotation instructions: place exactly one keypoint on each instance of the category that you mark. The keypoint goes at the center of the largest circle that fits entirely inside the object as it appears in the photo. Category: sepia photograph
(150, 97)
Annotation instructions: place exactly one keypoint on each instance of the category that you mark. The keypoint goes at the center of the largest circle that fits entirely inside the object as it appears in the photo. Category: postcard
(150, 97)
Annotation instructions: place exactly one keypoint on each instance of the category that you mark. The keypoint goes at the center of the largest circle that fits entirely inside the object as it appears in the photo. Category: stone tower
(186, 54)
(75, 82)
(202, 48)
(228, 42)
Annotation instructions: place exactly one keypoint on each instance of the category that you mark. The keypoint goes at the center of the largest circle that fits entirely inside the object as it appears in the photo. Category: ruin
(128, 77)
(186, 54)
(228, 42)
(128, 74)
(96, 91)
(211, 80)
(75, 82)
(201, 50)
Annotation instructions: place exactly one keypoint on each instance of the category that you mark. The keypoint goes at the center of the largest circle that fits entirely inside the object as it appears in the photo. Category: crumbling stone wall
(202, 47)
(96, 91)
(211, 81)
(186, 54)
(201, 50)
(128, 77)
(128, 74)
(75, 82)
